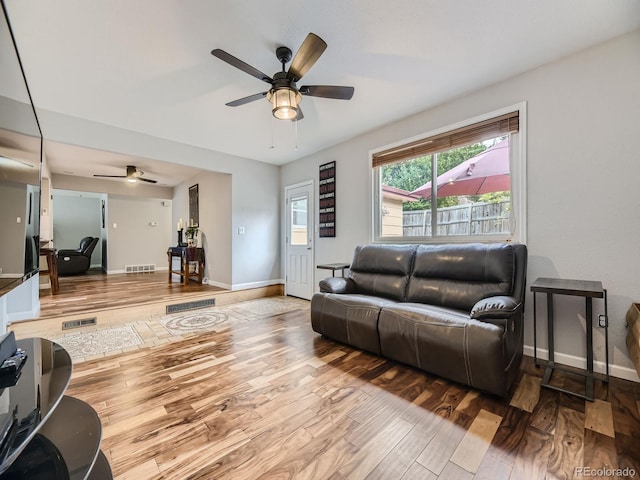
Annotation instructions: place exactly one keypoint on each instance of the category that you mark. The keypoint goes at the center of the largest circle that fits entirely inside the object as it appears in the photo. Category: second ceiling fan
(284, 95)
(132, 176)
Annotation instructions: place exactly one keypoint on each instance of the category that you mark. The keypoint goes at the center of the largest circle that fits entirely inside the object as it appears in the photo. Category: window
(475, 194)
(298, 233)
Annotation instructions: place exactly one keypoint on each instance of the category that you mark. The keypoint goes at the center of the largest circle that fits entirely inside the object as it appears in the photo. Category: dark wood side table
(333, 267)
(580, 288)
(52, 268)
(187, 255)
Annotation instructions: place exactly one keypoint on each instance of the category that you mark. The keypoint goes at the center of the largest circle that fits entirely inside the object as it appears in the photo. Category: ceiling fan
(132, 176)
(284, 95)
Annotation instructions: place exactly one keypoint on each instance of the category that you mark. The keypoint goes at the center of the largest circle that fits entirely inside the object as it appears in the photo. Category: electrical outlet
(602, 321)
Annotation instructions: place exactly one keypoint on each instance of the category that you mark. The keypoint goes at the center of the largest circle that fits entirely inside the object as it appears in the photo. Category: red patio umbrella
(485, 173)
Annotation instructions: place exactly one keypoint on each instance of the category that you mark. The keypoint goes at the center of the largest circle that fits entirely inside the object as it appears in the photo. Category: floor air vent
(86, 322)
(140, 268)
(182, 307)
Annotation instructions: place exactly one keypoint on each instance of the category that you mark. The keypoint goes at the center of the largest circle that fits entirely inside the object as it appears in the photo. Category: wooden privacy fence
(480, 218)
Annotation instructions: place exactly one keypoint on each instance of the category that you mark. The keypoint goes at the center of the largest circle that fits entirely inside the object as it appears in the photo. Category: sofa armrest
(498, 307)
(336, 285)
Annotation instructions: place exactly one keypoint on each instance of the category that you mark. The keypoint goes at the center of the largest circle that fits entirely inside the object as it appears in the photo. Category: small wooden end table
(52, 268)
(581, 288)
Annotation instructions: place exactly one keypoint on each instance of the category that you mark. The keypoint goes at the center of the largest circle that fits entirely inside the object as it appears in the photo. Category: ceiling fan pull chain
(272, 146)
(296, 135)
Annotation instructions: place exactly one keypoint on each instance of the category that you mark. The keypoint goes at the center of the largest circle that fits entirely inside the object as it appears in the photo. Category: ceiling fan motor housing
(284, 54)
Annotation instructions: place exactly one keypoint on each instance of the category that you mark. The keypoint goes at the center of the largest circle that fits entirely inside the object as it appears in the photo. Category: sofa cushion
(445, 342)
(458, 276)
(382, 270)
(351, 319)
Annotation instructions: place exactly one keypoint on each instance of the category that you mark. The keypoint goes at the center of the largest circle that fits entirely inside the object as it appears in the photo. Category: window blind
(474, 133)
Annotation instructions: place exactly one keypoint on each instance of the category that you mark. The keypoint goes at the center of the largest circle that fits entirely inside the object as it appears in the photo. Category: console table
(187, 255)
(43, 433)
(581, 288)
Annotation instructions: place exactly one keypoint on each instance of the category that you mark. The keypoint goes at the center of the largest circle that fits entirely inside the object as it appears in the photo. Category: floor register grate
(85, 322)
(194, 305)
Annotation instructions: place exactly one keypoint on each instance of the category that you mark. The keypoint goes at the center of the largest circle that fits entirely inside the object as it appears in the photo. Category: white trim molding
(581, 362)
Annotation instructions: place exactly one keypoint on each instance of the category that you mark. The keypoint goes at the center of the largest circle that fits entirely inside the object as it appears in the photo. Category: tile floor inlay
(153, 329)
(85, 344)
(215, 318)
(179, 323)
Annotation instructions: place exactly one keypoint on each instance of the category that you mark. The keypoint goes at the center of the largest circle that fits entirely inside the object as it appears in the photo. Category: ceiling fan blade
(146, 180)
(111, 176)
(308, 54)
(250, 98)
(328, 91)
(245, 67)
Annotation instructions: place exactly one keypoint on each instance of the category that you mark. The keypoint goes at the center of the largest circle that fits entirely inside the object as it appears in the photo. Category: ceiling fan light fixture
(285, 102)
(132, 180)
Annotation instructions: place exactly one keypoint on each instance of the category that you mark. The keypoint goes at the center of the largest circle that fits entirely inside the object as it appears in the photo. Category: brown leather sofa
(455, 310)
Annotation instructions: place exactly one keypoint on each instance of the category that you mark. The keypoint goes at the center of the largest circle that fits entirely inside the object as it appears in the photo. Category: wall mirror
(20, 170)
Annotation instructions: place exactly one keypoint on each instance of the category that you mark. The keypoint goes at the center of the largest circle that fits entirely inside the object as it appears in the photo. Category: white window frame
(517, 171)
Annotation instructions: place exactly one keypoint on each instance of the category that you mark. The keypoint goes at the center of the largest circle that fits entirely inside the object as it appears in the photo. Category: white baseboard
(617, 371)
(213, 283)
(247, 286)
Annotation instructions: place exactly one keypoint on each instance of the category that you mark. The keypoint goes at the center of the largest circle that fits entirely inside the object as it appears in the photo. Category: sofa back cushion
(382, 270)
(457, 276)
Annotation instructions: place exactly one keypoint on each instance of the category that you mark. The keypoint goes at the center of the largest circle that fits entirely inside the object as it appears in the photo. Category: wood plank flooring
(272, 399)
(95, 291)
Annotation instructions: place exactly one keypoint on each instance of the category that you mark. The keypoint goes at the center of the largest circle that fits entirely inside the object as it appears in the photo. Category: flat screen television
(20, 169)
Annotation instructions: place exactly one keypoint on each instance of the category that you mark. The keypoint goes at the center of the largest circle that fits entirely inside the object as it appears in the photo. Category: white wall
(583, 194)
(255, 198)
(13, 197)
(215, 211)
(77, 215)
(134, 241)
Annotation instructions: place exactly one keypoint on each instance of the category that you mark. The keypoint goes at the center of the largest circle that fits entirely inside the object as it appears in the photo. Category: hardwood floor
(95, 290)
(117, 299)
(272, 399)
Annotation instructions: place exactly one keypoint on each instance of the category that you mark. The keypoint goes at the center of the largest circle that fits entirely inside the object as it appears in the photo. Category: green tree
(407, 175)
(452, 158)
(412, 174)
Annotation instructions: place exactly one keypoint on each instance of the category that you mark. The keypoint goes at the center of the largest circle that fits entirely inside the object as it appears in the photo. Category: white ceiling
(145, 65)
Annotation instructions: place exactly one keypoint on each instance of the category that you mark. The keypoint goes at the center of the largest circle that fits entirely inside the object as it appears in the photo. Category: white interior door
(299, 240)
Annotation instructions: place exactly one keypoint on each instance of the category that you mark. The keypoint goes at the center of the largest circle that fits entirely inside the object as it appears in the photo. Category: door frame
(285, 227)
